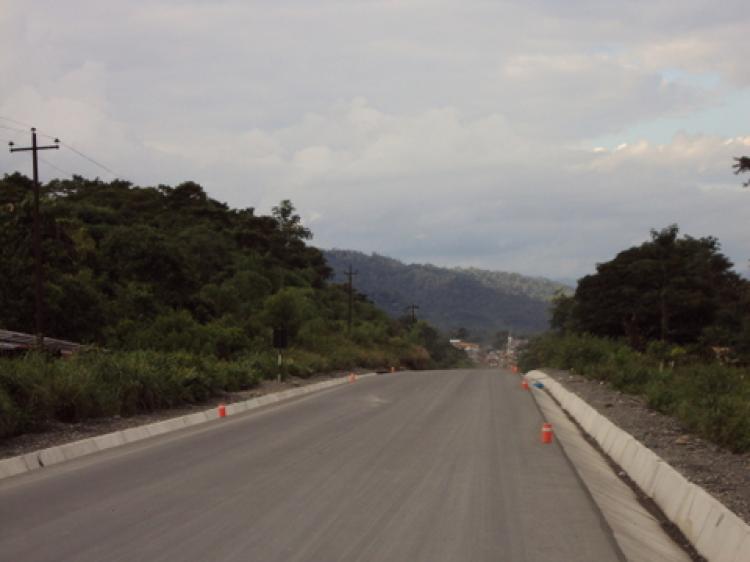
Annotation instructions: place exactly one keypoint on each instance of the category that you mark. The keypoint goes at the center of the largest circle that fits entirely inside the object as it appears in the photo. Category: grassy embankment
(35, 390)
(709, 399)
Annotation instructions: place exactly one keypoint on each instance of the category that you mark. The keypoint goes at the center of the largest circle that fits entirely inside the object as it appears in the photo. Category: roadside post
(280, 342)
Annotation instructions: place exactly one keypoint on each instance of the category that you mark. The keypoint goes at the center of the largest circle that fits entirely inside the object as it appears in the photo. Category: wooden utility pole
(413, 308)
(38, 271)
(350, 289)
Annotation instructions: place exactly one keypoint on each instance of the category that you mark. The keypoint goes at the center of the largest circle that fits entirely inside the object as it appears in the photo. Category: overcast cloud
(532, 136)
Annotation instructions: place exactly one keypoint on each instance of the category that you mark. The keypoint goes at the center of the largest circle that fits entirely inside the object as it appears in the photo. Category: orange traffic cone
(352, 377)
(222, 411)
(524, 384)
(547, 433)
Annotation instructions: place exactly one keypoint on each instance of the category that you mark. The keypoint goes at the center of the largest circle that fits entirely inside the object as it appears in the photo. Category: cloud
(456, 132)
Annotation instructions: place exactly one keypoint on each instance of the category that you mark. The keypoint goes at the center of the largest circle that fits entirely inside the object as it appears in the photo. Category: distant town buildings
(491, 357)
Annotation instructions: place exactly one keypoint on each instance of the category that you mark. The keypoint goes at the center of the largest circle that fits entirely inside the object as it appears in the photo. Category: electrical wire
(66, 145)
(82, 155)
(51, 165)
(12, 129)
(15, 121)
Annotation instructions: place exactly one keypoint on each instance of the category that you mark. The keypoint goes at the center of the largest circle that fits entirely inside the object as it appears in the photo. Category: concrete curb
(715, 531)
(28, 462)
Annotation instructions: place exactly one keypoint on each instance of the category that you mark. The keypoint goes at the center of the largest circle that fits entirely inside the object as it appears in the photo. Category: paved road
(441, 466)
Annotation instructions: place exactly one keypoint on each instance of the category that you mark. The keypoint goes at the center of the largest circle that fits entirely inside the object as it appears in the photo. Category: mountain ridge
(480, 301)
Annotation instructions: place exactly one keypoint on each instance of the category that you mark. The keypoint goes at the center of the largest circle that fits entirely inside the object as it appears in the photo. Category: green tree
(563, 317)
(171, 270)
(289, 222)
(290, 308)
(742, 165)
(668, 288)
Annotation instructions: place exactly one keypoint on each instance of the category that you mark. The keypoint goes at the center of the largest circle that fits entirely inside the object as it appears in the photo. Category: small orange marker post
(352, 377)
(222, 411)
(547, 433)
(524, 384)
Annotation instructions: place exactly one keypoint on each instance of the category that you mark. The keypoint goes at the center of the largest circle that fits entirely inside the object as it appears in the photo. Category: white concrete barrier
(602, 429)
(715, 531)
(252, 404)
(133, 434)
(236, 408)
(615, 440)
(212, 414)
(590, 419)
(12, 466)
(166, 426)
(78, 448)
(722, 534)
(672, 491)
(743, 549)
(109, 440)
(194, 419)
(620, 446)
(50, 456)
(31, 460)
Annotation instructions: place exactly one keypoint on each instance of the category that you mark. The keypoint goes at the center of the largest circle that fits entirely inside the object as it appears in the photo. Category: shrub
(37, 389)
(711, 399)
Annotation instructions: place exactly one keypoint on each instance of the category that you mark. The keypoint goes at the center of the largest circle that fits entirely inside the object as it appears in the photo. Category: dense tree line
(671, 289)
(169, 268)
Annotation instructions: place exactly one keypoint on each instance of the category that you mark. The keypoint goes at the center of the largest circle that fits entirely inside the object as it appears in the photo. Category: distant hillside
(480, 301)
(537, 288)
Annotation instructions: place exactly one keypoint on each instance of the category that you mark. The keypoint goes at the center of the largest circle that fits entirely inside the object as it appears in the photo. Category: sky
(536, 136)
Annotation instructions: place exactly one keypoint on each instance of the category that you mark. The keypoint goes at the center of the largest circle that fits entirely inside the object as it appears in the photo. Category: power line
(12, 129)
(51, 165)
(16, 121)
(66, 145)
(82, 155)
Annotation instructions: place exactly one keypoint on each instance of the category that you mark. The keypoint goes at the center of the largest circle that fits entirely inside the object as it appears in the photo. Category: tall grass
(36, 389)
(710, 399)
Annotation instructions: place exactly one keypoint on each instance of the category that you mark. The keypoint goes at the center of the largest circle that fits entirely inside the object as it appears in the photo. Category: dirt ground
(724, 474)
(59, 433)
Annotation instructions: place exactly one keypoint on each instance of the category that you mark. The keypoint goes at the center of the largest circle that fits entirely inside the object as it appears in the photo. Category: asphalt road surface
(432, 466)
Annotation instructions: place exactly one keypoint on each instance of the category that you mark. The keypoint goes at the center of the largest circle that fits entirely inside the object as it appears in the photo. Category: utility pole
(413, 308)
(509, 346)
(38, 283)
(350, 288)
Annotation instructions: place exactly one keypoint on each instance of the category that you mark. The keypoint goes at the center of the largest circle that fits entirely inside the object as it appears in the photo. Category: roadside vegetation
(177, 296)
(668, 320)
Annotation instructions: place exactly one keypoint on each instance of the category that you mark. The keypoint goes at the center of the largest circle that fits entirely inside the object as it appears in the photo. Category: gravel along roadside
(723, 474)
(60, 433)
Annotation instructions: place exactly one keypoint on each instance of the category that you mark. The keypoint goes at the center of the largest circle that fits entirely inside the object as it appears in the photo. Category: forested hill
(483, 302)
(170, 269)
